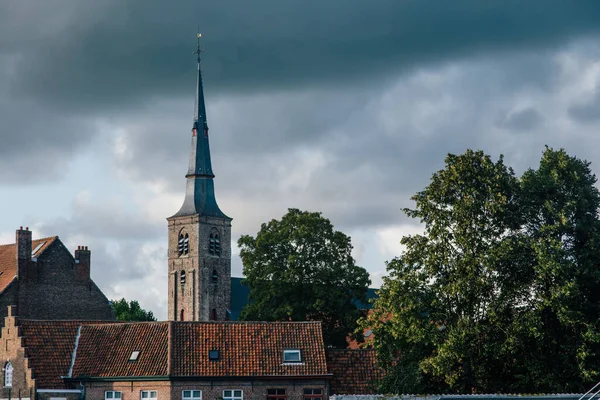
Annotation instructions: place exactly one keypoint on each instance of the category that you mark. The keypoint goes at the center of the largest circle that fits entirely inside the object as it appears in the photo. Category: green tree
(131, 311)
(500, 292)
(299, 268)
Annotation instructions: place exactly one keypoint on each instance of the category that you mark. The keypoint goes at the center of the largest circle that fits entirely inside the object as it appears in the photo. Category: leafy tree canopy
(299, 268)
(501, 293)
(131, 311)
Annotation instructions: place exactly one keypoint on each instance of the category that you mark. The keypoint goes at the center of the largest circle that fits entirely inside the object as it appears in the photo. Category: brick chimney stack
(23, 245)
(82, 261)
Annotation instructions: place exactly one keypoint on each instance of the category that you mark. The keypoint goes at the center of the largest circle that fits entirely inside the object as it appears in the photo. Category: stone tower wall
(198, 295)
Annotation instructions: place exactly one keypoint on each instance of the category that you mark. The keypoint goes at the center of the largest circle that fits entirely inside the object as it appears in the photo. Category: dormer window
(214, 243)
(8, 374)
(292, 356)
(183, 245)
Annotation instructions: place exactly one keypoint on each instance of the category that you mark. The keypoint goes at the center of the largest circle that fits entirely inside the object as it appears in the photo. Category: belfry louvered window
(214, 244)
(183, 246)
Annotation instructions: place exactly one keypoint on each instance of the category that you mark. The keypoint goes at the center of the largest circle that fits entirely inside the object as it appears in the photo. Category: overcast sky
(345, 107)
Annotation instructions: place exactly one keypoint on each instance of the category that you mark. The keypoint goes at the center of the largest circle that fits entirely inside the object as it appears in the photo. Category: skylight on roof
(213, 355)
(134, 356)
(39, 246)
(292, 356)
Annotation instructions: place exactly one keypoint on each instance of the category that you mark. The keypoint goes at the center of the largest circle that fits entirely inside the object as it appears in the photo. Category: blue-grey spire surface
(200, 191)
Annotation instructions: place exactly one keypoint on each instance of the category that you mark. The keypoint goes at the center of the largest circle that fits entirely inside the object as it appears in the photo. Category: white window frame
(150, 393)
(113, 394)
(233, 394)
(191, 396)
(8, 374)
(290, 352)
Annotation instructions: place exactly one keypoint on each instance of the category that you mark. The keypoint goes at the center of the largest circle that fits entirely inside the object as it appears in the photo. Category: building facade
(199, 236)
(43, 280)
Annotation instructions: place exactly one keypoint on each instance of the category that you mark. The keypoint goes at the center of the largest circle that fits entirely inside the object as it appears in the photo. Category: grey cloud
(522, 120)
(588, 111)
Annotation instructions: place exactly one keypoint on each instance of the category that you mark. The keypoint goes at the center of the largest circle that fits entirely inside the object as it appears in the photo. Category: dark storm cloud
(64, 62)
(586, 111)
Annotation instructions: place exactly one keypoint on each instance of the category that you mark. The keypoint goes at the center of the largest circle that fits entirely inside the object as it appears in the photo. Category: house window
(213, 314)
(191, 395)
(8, 374)
(233, 395)
(109, 394)
(292, 356)
(148, 394)
(276, 394)
(214, 243)
(313, 394)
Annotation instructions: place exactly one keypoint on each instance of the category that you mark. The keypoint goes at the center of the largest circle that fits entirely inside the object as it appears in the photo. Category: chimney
(23, 247)
(82, 263)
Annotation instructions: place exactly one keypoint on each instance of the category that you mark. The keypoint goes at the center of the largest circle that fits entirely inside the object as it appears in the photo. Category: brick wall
(11, 350)
(211, 390)
(199, 295)
(59, 292)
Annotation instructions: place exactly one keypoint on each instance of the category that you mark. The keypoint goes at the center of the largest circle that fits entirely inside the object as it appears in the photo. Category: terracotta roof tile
(8, 259)
(104, 350)
(49, 348)
(354, 371)
(246, 349)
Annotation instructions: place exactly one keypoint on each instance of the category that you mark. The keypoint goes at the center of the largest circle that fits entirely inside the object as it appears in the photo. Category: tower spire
(200, 194)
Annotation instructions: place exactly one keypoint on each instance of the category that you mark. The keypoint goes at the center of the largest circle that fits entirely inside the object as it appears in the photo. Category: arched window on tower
(8, 374)
(214, 277)
(183, 245)
(214, 244)
(213, 314)
(182, 316)
(182, 277)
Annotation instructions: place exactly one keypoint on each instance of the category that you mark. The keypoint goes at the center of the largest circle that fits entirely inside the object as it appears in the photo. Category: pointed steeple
(200, 192)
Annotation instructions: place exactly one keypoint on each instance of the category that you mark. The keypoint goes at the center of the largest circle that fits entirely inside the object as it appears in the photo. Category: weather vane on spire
(199, 50)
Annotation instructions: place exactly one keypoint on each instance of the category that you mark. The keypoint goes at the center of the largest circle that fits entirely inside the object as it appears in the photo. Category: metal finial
(199, 50)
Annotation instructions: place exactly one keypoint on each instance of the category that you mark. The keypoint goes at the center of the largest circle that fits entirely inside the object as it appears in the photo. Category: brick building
(44, 281)
(163, 360)
(199, 236)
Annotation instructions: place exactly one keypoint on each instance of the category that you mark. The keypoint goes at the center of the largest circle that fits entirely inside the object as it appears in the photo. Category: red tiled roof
(246, 349)
(104, 350)
(354, 371)
(49, 348)
(8, 259)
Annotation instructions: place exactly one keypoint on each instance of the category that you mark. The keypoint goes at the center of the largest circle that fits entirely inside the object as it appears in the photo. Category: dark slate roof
(240, 295)
(354, 371)
(8, 258)
(181, 349)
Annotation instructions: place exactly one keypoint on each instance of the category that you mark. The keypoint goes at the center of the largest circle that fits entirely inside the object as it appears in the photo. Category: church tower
(199, 235)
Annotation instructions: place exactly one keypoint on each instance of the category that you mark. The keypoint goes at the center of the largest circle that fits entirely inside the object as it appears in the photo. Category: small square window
(148, 394)
(213, 355)
(233, 395)
(134, 356)
(292, 356)
(192, 395)
(110, 394)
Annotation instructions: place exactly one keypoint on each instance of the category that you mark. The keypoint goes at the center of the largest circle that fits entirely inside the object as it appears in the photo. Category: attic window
(368, 333)
(39, 246)
(134, 356)
(292, 356)
(213, 355)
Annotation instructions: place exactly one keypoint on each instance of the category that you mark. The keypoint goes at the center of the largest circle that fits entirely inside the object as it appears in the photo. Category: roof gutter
(188, 378)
